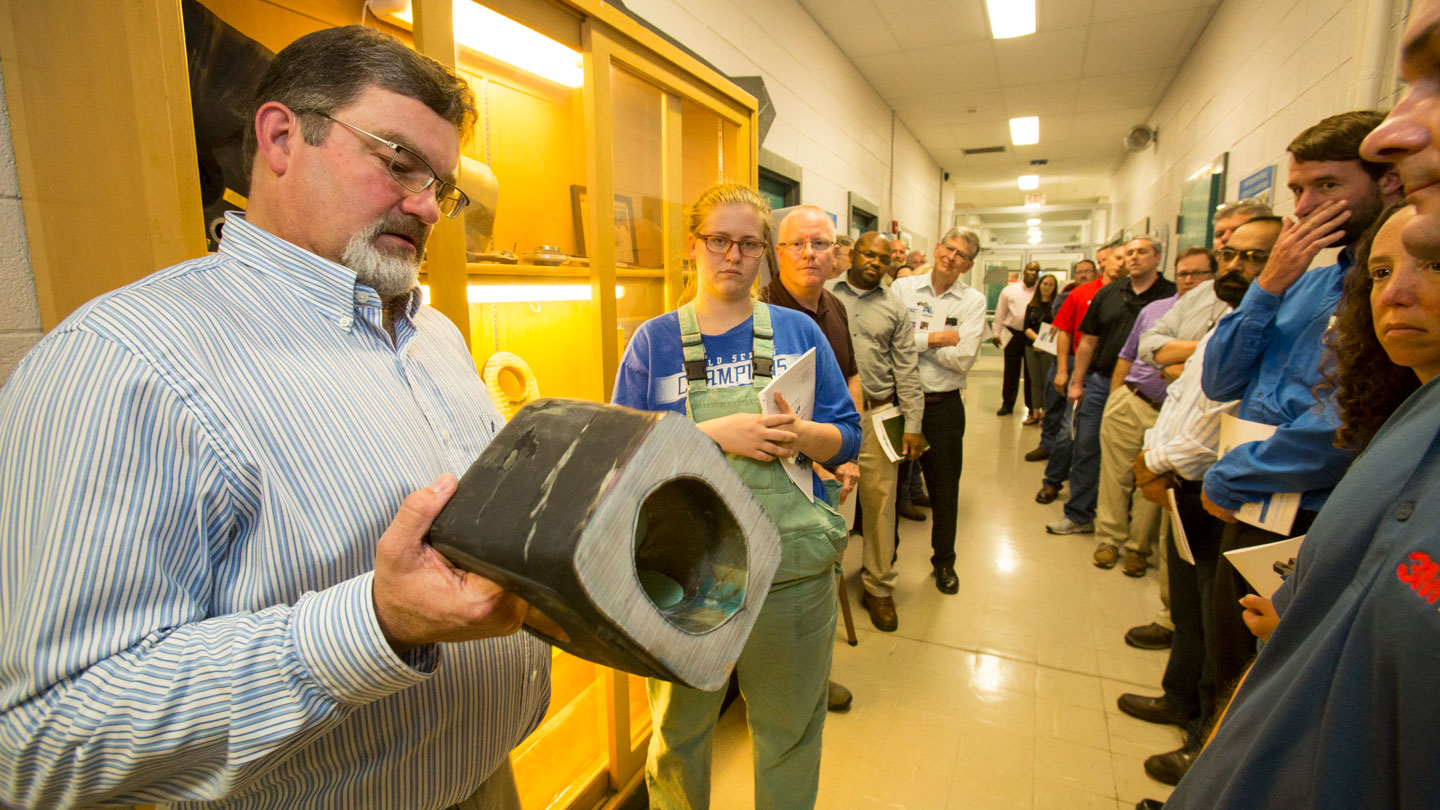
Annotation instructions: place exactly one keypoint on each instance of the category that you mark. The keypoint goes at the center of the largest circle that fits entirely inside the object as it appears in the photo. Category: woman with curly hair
(1380, 348)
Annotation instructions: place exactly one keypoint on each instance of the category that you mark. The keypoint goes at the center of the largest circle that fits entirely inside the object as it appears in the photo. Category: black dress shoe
(910, 511)
(1170, 768)
(1047, 494)
(1150, 637)
(946, 580)
(1004, 411)
(1152, 709)
(1149, 804)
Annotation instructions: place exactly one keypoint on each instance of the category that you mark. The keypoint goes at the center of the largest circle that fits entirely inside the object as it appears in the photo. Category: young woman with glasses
(1037, 314)
(741, 344)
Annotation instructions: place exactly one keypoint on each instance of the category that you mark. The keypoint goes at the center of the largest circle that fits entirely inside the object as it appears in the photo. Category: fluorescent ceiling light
(1035, 221)
(500, 37)
(1033, 232)
(1011, 18)
(1025, 131)
(1029, 182)
(523, 293)
(1034, 240)
(1032, 204)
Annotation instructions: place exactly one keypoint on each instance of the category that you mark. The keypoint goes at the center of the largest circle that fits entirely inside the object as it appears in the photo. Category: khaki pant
(877, 507)
(1122, 515)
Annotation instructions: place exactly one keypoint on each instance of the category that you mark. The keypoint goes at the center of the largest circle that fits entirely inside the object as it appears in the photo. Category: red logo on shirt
(1422, 575)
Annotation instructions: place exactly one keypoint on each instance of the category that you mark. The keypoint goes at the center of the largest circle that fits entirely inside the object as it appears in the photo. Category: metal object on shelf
(546, 256)
(503, 257)
(626, 529)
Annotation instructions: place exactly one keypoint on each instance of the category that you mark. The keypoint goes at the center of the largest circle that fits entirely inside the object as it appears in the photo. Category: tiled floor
(1001, 697)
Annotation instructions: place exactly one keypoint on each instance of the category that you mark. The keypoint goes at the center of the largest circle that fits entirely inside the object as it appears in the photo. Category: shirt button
(1405, 510)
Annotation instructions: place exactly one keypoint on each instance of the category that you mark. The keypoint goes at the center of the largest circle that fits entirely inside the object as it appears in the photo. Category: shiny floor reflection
(1001, 697)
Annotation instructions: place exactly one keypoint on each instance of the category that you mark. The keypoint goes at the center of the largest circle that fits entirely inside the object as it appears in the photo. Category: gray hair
(1155, 243)
(808, 209)
(844, 240)
(959, 232)
(1247, 208)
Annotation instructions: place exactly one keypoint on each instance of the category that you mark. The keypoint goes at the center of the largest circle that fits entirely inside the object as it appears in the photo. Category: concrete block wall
(20, 321)
(828, 118)
(1261, 72)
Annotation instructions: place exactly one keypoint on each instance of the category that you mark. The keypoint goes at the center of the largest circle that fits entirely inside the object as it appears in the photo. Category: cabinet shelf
(557, 271)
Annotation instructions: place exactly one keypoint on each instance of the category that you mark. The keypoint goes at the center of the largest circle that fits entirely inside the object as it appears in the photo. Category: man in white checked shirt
(214, 586)
(1177, 452)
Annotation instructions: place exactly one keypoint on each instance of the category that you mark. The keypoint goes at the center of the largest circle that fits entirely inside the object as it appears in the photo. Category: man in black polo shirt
(1102, 335)
(806, 254)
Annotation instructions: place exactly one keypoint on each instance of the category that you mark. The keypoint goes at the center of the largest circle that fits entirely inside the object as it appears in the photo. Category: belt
(871, 404)
(1135, 389)
(941, 396)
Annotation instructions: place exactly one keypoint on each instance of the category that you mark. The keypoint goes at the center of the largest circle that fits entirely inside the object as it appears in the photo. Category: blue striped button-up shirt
(196, 469)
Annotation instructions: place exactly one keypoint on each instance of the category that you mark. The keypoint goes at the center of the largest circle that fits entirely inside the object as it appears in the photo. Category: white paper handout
(1005, 336)
(1177, 530)
(797, 384)
(1257, 563)
(1276, 513)
(1045, 338)
(880, 417)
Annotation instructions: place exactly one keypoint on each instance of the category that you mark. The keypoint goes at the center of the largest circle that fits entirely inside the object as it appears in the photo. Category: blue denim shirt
(1270, 354)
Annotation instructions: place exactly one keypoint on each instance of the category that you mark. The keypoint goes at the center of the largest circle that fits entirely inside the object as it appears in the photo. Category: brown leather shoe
(837, 698)
(881, 610)
(1152, 709)
(1135, 564)
(1171, 767)
(1106, 555)
(1150, 637)
(1038, 454)
(1047, 494)
(910, 512)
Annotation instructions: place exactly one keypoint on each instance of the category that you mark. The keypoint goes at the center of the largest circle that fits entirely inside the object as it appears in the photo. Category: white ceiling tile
(1041, 56)
(932, 23)
(1045, 99)
(978, 135)
(837, 18)
(1136, 89)
(1144, 43)
(1114, 11)
(955, 69)
(888, 73)
(1054, 15)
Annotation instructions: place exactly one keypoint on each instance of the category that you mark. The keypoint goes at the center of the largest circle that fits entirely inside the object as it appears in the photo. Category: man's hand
(1299, 243)
(848, 474)
(420, 598)
(1062, 379)
(753, 435)
(1259, 615)
(1171, 373)
(912, 445)
(939, 340)
(1076, 392)
(996, 341)
(1227, 515)
(1153, 485)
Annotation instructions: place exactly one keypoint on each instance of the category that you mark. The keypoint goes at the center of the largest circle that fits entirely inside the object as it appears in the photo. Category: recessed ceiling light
(1029, 182)
(1024, 131)
(1032, 221)
(1035, 240)
(1011, 18)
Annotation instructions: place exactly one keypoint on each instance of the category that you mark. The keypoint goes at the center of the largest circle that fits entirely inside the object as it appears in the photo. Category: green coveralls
(785, 665)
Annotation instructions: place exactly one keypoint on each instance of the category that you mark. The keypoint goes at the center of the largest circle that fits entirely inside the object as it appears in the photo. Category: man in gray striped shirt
(214, 585)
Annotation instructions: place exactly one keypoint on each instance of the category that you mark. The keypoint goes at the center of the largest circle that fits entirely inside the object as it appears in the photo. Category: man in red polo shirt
(1067, 321)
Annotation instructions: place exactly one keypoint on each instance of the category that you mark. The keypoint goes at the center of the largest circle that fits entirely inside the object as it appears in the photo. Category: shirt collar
(330, 288)
(856, 291)
(954, 289)
(782, 297)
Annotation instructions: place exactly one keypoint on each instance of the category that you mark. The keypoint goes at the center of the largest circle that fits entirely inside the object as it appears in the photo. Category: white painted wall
(20, 321)
(828, 118)
(1262, 72)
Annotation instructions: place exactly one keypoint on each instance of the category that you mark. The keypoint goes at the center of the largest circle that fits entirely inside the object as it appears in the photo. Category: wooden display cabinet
(649, 127)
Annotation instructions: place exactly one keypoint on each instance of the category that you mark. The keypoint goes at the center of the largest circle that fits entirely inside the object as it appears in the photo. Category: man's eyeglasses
(413, 173)
(1194, 273)
(947, 250)
(798, 246)
(1250, 257)
(720, 243)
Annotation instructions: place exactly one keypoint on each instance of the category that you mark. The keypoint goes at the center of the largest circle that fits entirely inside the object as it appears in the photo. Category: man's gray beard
(389, 276)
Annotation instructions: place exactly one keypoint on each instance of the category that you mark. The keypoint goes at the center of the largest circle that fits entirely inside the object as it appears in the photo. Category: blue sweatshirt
(652, 373)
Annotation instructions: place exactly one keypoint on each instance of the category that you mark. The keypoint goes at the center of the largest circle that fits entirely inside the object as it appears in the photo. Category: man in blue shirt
(216, 588)
(1269, 353)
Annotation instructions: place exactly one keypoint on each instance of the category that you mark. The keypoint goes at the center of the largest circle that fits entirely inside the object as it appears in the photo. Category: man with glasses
(805, 249)
(217, 585)
(885, 353)
(948, 317)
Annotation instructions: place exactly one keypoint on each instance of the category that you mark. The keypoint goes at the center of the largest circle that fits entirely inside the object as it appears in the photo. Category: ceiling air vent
(985, 150)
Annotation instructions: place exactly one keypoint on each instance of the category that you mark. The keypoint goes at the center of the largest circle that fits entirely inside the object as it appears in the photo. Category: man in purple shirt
(1122, 516)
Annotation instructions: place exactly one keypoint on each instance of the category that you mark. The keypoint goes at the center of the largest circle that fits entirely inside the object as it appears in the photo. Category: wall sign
(1257, 186)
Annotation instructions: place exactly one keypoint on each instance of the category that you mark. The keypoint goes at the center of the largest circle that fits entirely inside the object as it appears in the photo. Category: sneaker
(1068, 526)
(1106, 555)
(1135, 564)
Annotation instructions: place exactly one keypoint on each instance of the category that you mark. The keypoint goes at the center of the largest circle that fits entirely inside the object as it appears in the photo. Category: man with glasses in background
(805, 250)
(217, 585)
(948, 317)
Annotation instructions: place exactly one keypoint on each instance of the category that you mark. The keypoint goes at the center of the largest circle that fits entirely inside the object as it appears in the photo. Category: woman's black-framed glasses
(413, 173)
(720, 243)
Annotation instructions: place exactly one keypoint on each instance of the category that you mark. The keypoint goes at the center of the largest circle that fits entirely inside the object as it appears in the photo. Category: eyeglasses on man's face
(720, 243)
(951, 250)
(798, 245)
(413, 173)
(1194, 273)
(1251, 257)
